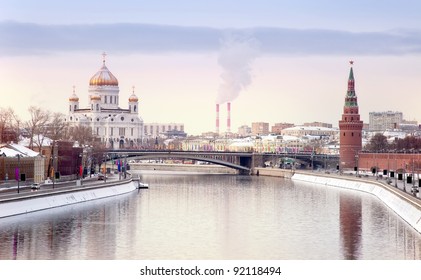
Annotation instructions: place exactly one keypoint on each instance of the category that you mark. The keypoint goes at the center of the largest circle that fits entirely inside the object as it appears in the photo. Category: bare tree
(37, 126)
(8, 121)
(82, 134)
(57, 127)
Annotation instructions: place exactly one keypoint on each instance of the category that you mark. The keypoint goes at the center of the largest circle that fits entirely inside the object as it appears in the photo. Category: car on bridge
(35, 186)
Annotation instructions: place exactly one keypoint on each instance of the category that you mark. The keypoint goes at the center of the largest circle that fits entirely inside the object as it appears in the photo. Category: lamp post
(356, 164)
(105, 168)
(54, 172)
(18, 171)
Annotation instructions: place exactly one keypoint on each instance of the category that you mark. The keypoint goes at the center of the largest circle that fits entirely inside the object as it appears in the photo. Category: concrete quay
(403, 203)
(12, 204)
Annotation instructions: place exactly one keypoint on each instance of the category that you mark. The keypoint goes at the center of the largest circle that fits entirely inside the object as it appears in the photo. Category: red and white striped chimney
(229, 117)
(217, 119)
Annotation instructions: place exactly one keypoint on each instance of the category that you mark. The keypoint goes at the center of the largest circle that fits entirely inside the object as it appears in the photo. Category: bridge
(244, 162)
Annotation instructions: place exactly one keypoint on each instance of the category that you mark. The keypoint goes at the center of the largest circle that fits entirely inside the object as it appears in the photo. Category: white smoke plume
(236, 56)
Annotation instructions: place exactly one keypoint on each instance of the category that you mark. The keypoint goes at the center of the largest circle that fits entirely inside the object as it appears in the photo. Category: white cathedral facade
(117, 128)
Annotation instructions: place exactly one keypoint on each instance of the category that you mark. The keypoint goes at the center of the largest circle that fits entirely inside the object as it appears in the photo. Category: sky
(274, 60)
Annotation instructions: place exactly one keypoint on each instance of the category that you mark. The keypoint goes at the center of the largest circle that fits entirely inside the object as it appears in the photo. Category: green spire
(351, 74)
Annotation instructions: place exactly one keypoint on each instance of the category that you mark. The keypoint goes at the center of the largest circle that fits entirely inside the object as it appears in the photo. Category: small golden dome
(96, 97)
(73, 97)
(133, 98)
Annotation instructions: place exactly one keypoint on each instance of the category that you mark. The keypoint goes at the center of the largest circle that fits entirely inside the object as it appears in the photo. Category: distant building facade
(381, 121)
(153, 130)
(301, 131)
(260, 128)
(278, 127)
(319, 124)
(244, 131)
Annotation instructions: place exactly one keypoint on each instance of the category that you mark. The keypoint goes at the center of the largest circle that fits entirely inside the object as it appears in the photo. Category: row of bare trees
(379, 143)
(41, 124)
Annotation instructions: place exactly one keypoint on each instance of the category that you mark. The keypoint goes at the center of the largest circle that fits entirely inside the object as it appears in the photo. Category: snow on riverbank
(42, 202)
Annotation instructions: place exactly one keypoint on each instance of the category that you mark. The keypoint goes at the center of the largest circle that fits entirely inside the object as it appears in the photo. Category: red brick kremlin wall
(389, 161)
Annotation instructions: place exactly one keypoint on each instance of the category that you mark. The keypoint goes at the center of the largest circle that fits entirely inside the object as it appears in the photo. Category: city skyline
(171, 53)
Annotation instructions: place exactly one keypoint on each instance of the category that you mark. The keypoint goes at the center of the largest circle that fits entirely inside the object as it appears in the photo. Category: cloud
(27, 38)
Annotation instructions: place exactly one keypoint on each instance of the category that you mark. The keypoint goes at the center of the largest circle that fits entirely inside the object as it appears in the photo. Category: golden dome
(133, 98)
(103, 77)
(96, 97)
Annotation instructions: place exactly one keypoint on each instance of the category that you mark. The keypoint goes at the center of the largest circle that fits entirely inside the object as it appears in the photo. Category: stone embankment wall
(42, 201)
(402, 204)
(273, 172)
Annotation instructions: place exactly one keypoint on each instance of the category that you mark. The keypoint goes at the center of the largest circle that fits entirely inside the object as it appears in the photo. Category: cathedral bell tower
(350, 128)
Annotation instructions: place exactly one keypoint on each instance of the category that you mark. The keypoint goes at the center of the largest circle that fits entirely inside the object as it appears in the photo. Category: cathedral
(117, 128)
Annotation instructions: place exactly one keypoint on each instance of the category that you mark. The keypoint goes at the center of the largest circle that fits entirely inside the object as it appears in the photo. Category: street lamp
(54, 171)
(18, 171)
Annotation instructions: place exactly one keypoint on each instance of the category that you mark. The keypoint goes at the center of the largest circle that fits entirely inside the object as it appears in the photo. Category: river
(213, 217)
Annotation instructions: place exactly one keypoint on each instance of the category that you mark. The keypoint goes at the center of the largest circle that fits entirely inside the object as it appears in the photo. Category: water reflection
(350, 217)
(215, 217)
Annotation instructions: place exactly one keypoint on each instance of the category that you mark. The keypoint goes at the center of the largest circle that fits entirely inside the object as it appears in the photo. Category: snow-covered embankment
(407, 210)
(52, 200)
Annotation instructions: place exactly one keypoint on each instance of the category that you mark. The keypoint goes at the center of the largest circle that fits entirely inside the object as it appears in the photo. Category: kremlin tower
(350, 127)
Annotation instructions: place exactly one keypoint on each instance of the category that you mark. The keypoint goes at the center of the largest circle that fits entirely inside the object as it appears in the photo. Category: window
(97, 107)
(75, 107)
(352, 134)
(134, 108)
(112, 131)
(131, 133)
(70, 107)
(97, 131)
(344, 133)
(122, 118)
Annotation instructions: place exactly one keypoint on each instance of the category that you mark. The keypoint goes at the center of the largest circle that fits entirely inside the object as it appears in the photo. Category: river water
(216, 217)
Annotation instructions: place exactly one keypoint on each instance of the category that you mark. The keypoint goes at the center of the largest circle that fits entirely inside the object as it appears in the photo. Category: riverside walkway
(10, 192)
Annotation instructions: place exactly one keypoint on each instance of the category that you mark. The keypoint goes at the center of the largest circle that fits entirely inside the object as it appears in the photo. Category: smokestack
(229, 117)
(217, 119)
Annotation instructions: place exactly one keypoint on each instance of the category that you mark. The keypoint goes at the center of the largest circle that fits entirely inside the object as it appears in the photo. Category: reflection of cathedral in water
(115, 127)
(350, 218)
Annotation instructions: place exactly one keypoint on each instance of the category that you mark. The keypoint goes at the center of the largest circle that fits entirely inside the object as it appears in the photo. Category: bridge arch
(210, 160)
(215, 158)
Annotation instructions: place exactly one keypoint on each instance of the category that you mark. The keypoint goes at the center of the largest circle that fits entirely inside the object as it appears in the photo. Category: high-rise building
(350, 127)
(381, 121)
